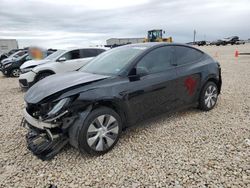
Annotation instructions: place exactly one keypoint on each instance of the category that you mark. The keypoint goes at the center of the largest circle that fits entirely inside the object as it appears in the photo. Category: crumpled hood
(59, 82)
(33, 63)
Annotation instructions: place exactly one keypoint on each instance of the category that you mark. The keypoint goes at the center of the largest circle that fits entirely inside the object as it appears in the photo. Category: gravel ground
(186, 149)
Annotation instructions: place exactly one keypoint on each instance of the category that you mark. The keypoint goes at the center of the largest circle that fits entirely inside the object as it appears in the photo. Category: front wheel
(100, 131)
(208, 97)
(15, 72)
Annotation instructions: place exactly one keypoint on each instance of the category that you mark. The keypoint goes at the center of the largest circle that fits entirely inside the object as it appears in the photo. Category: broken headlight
(58, 109)
(28, 69)
(7, 65)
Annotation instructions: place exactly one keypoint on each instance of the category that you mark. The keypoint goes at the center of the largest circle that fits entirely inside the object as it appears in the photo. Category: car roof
(153, 44)
(149, 45)
(76, 48)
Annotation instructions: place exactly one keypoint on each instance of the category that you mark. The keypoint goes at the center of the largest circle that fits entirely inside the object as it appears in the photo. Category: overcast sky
(71, 23)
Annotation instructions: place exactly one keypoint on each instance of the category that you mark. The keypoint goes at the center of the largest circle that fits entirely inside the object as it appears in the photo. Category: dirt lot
(186, 149)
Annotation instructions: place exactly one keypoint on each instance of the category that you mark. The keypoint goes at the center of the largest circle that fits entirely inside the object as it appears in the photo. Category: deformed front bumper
(42, 146)
(44, 140)
(36, 123)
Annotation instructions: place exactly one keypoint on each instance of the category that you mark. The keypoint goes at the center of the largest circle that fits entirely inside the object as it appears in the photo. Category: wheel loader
(156, 35)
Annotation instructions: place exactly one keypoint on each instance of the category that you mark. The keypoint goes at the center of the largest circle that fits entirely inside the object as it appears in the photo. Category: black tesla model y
(90, 107)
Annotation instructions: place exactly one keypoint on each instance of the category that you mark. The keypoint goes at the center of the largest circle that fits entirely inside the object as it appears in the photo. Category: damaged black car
(89, 108)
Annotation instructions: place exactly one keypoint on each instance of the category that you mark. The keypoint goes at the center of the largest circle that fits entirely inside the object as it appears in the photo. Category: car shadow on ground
(147, 123)
(164, 117)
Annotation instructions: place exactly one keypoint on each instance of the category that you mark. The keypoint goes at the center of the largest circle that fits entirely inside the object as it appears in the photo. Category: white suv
(58, 62)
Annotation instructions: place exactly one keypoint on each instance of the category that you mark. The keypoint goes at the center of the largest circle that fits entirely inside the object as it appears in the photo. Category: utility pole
(194, 35)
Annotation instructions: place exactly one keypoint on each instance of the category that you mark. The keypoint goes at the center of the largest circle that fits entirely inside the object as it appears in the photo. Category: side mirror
(138, 72)
(61, 59)
(141, 71)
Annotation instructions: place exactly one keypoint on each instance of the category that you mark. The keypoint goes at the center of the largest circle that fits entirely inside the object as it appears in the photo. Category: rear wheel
(208, 97)
(100, 131)
(15, 72)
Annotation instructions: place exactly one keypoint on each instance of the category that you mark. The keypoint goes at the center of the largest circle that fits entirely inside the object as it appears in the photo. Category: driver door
(155, 92)
(71, 63)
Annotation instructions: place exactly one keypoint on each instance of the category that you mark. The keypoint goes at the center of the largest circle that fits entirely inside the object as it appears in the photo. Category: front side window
(157, 60)
(75, 54)
(185, 55)
(55, 55)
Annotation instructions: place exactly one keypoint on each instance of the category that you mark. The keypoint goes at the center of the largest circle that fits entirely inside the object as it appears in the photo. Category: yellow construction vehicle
(156, 35)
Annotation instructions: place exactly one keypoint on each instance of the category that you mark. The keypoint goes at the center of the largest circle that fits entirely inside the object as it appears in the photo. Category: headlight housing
(28, 69)
(58, 109)
(7, 65)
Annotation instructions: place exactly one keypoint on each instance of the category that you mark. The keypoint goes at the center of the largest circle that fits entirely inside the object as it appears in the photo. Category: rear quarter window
(184, 55)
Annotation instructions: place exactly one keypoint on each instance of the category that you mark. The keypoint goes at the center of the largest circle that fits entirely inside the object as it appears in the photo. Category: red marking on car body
(190, 84)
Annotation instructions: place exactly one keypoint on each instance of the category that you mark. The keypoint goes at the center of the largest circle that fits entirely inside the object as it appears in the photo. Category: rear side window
(90, 52)
(157, 60)
(185, 55)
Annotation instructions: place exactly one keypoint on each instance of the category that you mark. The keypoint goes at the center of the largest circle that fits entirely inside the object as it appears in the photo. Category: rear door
(188, 66)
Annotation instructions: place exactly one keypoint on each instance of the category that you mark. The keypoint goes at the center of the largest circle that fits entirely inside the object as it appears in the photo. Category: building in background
(123, 41)
(7, 44)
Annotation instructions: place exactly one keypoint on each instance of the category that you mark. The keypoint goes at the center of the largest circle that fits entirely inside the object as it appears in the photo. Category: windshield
(55, 55)
(112, 61)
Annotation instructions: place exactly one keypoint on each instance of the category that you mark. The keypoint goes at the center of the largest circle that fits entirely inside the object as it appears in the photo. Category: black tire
(41, 76)
(86, 135)
(208, 96)
(15, 72)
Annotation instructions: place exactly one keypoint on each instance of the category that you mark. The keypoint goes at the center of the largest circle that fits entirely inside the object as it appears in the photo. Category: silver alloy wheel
(211, 96)
(102, 132)
(16, 72)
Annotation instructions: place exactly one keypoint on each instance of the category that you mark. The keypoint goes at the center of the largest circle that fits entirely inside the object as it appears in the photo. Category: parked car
(14, 56)
(58, 62)
(201, 43)
(11, 66)
(240, 42)
(231, 40)
(90, 107)
(220, 42)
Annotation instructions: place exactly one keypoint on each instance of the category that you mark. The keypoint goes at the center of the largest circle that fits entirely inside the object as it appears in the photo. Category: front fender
(74, 130)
